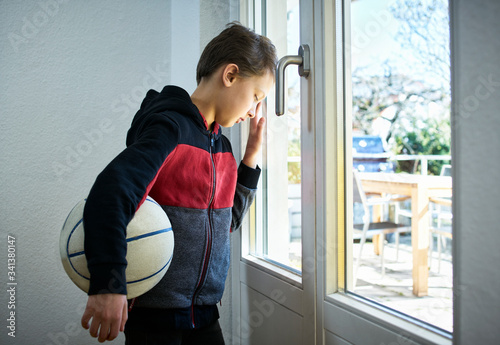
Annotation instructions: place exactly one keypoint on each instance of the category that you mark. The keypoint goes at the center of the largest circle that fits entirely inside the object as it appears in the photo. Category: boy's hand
(254, 142)
(108, 313)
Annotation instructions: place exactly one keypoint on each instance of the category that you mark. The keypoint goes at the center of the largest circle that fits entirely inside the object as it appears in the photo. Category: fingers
(124, 318)
(108, 331)
(94, 327)
(114, 330)
(253, 123)
(254, 142)
(108, 314)
(87, 315)
(257, 125)
(105, 329)
(257, 109)
(257, 130)
(261, 124)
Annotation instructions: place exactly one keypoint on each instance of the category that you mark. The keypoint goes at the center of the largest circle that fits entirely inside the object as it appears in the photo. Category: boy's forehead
(265, 82)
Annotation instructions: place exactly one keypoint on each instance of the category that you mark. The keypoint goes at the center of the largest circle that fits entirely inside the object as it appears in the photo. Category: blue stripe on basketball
(75, 254)
(161, 269)
(154, 202)
(148, 234)
(128, 240)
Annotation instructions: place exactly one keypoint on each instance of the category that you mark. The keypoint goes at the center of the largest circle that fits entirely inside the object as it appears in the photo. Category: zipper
(208, 246)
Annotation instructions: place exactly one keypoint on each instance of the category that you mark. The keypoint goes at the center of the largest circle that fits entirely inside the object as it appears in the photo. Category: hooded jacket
(190, 171)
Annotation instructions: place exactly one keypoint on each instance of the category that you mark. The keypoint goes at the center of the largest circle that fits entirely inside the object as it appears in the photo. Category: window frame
(255, 11)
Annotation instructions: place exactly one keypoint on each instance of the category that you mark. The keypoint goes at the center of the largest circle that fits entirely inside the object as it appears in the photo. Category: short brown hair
(252, 53)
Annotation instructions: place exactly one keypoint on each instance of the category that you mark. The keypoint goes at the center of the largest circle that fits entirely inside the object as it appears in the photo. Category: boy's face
(243, 99)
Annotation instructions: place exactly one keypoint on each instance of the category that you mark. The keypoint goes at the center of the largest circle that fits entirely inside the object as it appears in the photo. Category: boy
(177, 154)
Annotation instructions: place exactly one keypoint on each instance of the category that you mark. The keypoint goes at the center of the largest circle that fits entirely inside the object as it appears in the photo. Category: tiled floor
(394, 289)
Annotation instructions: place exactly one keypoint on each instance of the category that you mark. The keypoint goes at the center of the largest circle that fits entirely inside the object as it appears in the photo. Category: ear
(229, 74)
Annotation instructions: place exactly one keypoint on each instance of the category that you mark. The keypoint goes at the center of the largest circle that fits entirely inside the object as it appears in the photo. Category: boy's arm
(246, 188)
(111, 204)
(115, 196)
(248, 173)
(254, 142)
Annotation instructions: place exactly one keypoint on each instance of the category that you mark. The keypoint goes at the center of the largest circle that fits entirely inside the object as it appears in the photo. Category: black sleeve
(246, 188)
(114, 198)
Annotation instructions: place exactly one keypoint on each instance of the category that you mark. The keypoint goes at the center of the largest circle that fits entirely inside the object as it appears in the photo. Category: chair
(445, 170)
(401, 212)
(440, 202)
(368, 229)
(442, 232)
(436, 212)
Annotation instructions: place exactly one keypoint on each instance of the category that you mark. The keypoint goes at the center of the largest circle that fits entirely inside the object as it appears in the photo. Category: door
(293, 273)
(350, 312)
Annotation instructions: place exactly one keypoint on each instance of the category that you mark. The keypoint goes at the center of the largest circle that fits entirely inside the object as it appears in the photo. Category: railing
(423, 160)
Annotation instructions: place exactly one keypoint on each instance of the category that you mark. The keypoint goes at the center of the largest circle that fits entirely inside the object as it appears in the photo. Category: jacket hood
(170, 99)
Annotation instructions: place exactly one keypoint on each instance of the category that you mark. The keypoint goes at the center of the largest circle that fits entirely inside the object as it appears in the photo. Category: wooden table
(420, 188)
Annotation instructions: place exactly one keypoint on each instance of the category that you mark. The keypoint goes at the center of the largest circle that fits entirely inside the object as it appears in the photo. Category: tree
(410, 110)
(424, 27)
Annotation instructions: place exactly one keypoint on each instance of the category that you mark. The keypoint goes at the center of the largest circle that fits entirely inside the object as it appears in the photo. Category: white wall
(476, 164)
(72, 75)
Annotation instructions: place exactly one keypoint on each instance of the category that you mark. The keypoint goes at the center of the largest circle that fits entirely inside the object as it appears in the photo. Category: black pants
(210, 335)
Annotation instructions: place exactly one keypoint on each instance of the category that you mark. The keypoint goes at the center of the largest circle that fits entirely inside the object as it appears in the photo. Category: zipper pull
(131, 304)
(212, 139)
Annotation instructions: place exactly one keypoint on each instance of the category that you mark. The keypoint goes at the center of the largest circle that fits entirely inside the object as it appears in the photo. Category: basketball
(150, 246)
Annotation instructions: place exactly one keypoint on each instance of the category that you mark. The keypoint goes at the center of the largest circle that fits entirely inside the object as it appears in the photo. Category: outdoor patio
(394, 289)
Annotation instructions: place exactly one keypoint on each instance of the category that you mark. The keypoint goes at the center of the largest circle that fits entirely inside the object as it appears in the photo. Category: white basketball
(150, 246)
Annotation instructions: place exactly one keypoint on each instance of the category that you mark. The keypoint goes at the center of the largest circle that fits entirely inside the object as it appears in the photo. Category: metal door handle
(303, 60)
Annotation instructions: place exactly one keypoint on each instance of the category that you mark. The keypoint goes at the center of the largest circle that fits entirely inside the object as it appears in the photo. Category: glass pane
(277, 235)
(402, 228)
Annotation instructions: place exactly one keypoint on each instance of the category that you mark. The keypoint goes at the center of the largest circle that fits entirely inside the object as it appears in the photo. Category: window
(399, 232)
(275, 234)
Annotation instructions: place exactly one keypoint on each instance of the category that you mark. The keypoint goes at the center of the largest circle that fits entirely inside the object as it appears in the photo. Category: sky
(372, 40)
(373, 29)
